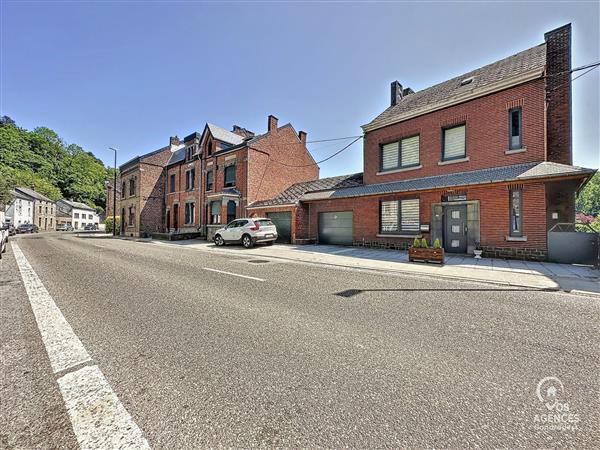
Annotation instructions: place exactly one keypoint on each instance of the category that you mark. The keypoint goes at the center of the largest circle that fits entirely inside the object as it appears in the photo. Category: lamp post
(115, 193)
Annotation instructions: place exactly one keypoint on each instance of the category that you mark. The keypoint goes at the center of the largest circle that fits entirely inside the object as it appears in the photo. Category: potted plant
(420, 251)
(478, 250)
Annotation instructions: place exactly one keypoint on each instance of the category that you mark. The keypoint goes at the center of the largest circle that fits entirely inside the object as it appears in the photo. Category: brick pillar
(558, 95)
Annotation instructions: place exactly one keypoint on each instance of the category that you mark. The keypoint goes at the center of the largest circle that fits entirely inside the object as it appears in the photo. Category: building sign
(424, 227)
(455, 198)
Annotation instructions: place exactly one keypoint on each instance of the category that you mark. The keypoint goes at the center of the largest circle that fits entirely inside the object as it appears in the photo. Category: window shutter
(389, 216)
(454, 142)
(410, 151)
(410, 215)
(389, 156)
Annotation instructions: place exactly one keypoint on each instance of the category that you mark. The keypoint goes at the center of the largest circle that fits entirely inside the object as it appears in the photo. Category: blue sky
(131, 74)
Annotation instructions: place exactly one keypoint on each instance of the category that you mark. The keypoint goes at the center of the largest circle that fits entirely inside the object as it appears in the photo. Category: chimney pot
(302, 136)
(174, 140)
(396, 93)
(272, 125)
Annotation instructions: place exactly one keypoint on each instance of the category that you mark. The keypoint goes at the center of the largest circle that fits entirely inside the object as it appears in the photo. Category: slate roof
(223, 135)
(518, 172)
(32, 193)
(140, 157)
(77, 205)
(513, 66)
(177, 156)
(293, 194)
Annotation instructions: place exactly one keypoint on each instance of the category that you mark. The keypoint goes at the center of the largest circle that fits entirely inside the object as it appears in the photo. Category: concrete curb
(585, 293)
(374, 269)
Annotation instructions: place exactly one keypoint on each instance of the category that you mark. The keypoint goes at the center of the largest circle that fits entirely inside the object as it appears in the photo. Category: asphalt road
(312, 356)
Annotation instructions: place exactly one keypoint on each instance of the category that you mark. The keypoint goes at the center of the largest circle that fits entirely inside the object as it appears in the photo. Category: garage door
(335, 228)
(283, 222)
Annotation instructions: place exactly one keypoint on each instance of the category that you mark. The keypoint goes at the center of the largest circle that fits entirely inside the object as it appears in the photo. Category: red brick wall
(486, 134)
(282, 145)
(181, 196)
(494, 214)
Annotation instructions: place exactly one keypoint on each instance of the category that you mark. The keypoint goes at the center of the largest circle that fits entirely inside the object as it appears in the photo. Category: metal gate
(283, 222)
(565, 245)
(335, 228)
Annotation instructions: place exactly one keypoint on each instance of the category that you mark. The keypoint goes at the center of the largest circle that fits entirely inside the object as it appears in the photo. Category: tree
(6, 121)
(588, 200)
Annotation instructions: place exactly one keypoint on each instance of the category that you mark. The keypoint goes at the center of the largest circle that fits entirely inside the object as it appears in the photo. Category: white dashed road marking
(233, 274)
(99, 419)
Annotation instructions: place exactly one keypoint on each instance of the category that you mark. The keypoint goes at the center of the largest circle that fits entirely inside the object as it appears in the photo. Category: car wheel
(247, 241)
(219, 242)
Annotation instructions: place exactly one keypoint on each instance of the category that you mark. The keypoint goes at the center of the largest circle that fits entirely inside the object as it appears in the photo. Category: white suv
(248, 232)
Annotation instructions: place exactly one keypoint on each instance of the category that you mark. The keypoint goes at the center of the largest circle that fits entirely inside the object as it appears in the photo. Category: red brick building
(484, 158)
(216, 174)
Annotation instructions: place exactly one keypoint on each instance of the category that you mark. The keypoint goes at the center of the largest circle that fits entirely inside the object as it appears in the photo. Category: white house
(21, 209)
(76, 214)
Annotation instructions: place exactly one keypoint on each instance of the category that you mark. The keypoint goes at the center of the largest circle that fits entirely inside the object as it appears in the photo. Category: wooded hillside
(42, 159)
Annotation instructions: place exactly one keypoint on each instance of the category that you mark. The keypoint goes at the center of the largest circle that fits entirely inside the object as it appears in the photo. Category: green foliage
(41, 158)
(437, 244)
(108, 222)
(588, 200)
(417, 243)
(424, 243)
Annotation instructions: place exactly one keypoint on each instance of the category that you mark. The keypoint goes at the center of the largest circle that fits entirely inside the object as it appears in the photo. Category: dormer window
(210, 148)
(190, 152)
(467, 81)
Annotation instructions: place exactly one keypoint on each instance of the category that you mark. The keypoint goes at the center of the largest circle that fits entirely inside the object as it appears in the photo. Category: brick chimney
(302, 136)
(242, 132)
(272, 124)
(174, 140)
(558, 95)
(396, 93)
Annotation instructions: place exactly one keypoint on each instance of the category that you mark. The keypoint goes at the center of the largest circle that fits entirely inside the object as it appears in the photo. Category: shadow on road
(353, 292)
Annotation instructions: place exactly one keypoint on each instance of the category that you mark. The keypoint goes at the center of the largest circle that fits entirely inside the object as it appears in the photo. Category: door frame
(464, 221)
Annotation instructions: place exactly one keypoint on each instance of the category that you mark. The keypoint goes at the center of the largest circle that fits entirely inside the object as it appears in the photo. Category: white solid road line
(99, 419)
(233, 274)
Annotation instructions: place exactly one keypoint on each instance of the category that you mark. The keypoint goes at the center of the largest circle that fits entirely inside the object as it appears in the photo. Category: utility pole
(115, 193)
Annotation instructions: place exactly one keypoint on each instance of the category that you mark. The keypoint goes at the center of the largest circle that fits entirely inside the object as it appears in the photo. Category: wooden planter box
(434, 255)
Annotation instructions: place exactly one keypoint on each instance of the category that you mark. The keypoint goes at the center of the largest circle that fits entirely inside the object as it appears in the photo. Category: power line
(317, 162)
(587, 71)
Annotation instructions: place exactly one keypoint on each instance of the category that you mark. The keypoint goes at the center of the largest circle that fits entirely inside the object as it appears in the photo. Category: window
(516, 216)
(172, 183)
(90, 216)
(230, 176)
(190, 152)
(123, 189)
(453, 143)
(40, 209)
(131, 216)
(399, 216)
(230, 210)
(46, 210)
(50, 221)
(215, 212)
(132, 187)
(210, 148)
(209, 180)
(190, 176)
(515, 127)
(76, 215)
(397, 155)
(190, 212)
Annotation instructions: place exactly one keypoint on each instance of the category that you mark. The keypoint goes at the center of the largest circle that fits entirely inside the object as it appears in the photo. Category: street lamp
(115, 194)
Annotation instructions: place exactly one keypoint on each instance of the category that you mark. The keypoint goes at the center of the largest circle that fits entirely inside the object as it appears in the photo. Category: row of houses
(484, 160)
(31, 207)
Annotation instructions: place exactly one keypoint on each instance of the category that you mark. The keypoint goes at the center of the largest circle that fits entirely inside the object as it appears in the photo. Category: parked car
(27, 228)
(90, 227)
(247, 232)
(64, 227)
(11, 229)
(3, 238)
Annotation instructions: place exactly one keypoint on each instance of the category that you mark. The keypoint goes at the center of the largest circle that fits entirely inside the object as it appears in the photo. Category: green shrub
(108, 223)
(424, 243)
(437, 243)
(416, 243)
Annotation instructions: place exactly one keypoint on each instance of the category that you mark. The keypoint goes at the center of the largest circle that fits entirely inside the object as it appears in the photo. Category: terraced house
(482, 159)
(216, 174)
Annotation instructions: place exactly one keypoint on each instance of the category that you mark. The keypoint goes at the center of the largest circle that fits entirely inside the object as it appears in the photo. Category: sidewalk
(538, 275)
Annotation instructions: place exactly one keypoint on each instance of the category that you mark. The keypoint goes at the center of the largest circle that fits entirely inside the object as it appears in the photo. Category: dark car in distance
(25, 228)
(90, 227)
(64, 227)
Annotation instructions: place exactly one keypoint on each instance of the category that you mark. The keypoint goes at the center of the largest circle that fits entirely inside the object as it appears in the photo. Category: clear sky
(131, 74)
